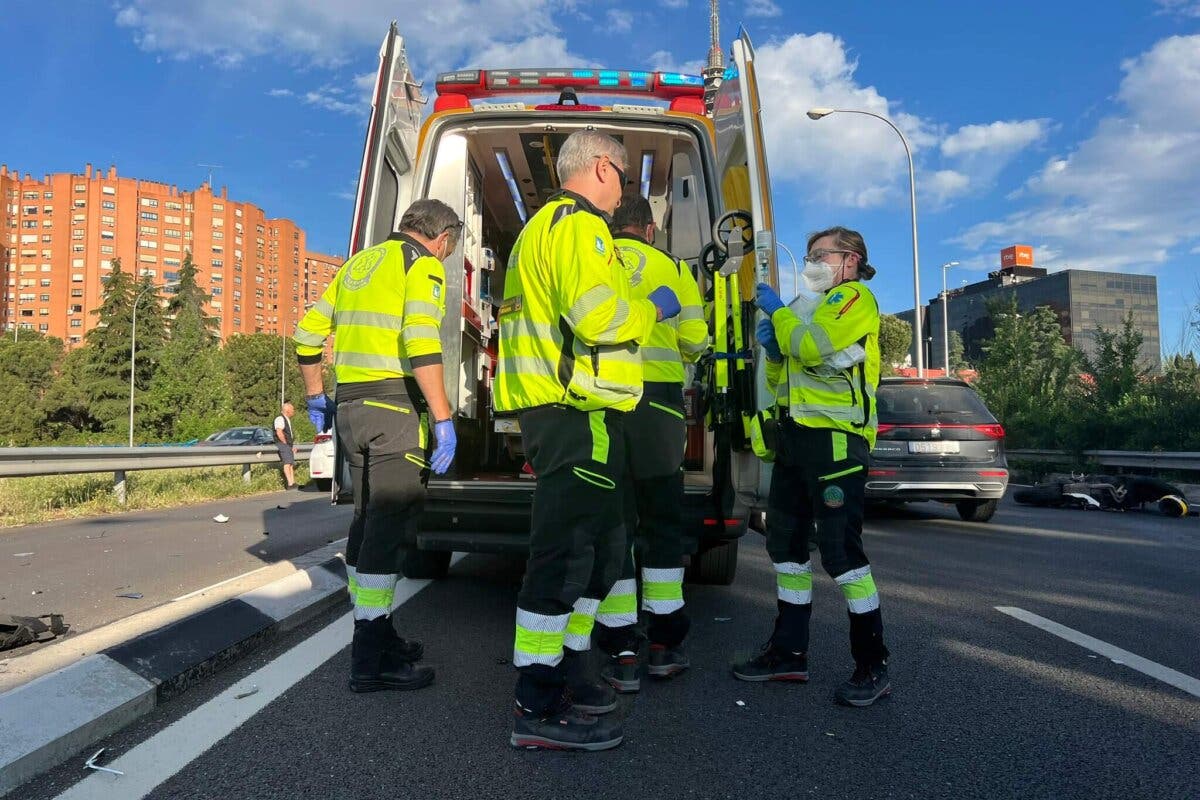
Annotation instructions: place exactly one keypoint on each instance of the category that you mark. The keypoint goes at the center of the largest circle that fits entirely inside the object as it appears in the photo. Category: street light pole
(918, 333)
(946, 318)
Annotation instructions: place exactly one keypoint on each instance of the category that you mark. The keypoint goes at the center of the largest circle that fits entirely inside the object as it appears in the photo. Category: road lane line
(167, 752)
(1132, 660)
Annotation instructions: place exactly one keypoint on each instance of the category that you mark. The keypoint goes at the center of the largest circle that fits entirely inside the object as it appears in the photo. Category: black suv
(937, 441)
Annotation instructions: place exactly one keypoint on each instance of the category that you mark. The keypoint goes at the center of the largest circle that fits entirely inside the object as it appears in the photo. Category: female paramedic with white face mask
(823, 367)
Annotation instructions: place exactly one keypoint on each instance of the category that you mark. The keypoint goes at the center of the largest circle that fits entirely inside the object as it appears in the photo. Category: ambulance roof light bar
(479, 83)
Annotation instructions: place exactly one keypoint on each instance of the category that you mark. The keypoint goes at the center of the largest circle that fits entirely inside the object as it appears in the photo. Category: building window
(45, 298)
(43, 327)
(77, 309)
(108, 205)
(149, 202)
(76, 323)
(80, 204)
(218, 207)
(174, 206)
(108, 189)
(150, 215)
(77, 293)
(216, 290)
(81, 187)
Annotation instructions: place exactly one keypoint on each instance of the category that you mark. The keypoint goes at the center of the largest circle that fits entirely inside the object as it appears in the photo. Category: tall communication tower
(715, 69)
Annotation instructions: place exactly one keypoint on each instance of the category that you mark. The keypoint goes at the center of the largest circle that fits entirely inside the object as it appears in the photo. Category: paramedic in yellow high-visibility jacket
(569, 365)
(824, 371)
(385, 308)
(655, 438)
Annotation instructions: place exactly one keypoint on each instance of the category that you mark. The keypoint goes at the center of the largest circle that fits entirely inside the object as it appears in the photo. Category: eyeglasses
(819, 255)
(620, 172)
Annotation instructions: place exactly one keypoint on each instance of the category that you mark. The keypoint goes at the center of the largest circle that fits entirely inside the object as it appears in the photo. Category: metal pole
(133, 362)
(945, 323)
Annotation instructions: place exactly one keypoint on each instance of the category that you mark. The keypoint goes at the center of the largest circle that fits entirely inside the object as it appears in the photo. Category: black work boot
(563, 727)
(623, 672)
(374, 666)
(665, 662)
(865, 686)
(773, 664)
(589, 694)
(403, 649)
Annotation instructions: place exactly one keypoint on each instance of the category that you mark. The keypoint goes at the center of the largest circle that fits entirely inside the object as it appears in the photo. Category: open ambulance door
(386, 177)
(747, 242)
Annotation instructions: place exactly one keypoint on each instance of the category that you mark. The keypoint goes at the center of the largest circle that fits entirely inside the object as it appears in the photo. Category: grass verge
(26, 501)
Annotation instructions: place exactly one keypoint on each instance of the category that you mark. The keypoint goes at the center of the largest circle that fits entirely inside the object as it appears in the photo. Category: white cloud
(333, 98)
(946, 184)
(1183, 8)
(762, 8)
(666, 61)
(300, 163)
(1125, 197)
(673, 3)
(998, 139)
(279, 93)
(536, 51)
(620, 20)
(444, 34)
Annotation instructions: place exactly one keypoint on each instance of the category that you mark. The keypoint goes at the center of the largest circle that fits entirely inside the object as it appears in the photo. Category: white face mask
(818, 276)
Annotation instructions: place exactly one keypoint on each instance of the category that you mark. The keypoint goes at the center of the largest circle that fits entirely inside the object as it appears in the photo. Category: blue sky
(1070, 126)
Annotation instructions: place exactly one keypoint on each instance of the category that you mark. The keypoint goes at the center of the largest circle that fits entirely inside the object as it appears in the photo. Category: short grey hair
(583, 147)
(430, 218)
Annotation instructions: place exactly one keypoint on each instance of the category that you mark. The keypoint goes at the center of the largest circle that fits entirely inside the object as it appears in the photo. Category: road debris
(221, 518)
(722, 619)
(100, 536)
(132, 595)
(741, 703)
(247, 693)
(21, 555)
(36, 591)
(91, 763)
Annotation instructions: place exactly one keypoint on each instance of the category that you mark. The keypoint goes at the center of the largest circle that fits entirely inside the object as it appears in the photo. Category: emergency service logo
(834, 497)
(600, 245)
(634, 261)
(360, 269)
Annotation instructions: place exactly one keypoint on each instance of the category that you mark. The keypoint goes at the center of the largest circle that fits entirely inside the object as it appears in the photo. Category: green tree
(106, 373)
(1122, 408)
(66, 406)
(958, 360)
(253, 362)
(1029, 376)
(188, 396)
(26, 372)
(895, 337)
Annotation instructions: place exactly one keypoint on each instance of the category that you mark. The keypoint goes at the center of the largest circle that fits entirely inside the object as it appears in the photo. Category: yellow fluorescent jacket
(845, 401)
(386, 305)
(675, 341)
(569, 329)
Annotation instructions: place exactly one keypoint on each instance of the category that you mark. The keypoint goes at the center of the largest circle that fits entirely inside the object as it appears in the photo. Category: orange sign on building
(1019, 255)
(62, 233)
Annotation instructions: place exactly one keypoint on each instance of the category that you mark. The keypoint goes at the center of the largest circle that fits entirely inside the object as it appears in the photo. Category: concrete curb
(48, 720)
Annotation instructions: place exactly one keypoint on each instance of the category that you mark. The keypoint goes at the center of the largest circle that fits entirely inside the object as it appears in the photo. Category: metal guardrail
(17, 462)
(1183, 462)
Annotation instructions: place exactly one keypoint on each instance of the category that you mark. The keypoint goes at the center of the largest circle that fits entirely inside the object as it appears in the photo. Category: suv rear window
(915, 404)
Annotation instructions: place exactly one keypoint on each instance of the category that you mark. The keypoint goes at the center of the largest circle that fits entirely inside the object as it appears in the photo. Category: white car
(322, 460)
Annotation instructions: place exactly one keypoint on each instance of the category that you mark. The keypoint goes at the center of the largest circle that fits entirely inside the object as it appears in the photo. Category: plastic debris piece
(247, 693)
(830, 733)
(722, 619)
(21, 555)
(1116, 661)
(1092, 656)
(220, 518)
(101, 536)
(91, 763)
(132, 595)
(741, 703)
(36, 591)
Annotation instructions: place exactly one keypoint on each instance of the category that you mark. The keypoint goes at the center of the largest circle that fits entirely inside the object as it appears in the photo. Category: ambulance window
(385, 201)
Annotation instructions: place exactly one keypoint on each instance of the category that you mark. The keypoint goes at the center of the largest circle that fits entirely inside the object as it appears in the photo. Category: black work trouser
(655, 439)
(818, 484)
(577, 536)
(384, 445)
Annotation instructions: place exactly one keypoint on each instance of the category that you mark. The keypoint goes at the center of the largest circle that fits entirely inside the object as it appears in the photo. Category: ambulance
(488, 149)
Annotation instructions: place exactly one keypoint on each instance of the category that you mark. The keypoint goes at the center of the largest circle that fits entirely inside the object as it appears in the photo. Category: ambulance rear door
(745, 187)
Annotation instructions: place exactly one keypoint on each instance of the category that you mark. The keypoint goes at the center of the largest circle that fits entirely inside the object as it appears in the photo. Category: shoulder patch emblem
(360, 269)
(437, 292)
(600, 245)
(834, 497)
(835, 298)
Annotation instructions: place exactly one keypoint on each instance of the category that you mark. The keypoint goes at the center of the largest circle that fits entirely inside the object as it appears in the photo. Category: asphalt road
(984, 705)
(78, 568)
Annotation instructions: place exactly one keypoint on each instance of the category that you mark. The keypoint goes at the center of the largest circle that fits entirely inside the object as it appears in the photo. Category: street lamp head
(817, 113)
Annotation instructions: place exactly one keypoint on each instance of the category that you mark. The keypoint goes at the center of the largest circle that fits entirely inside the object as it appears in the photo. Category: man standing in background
(285, 443)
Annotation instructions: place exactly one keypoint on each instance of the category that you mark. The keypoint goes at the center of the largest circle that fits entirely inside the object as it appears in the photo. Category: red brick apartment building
(61, 233)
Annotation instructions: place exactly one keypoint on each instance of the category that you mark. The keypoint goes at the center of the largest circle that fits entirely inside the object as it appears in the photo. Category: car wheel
(432, 564)
(323, 484)
(715, 566)
(977, 510)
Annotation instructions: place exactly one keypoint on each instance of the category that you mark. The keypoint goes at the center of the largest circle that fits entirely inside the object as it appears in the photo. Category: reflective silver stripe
(853, 575)
(660, 354)
(620, 315)
(587, 605)
(577, 641)
(840, 413)
(370, 319)
(789, 594)
(414, 332)
(824, 346)
(589, 301)
(662, 575)
(625, 588)
(514, 326)
(793, 567)
(797, 597)
(661, 606)
(620, 353)
(516, 367)
(308, 338)
(422, 307)
(864, 605)
(554, 625)
(690, 313)
(342, 358)
(324, 308)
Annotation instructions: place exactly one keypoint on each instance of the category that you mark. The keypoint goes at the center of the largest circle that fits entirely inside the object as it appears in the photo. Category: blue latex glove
(768, 300)
(320, 411)
(447, 441)
(667, 302)
(764, 332)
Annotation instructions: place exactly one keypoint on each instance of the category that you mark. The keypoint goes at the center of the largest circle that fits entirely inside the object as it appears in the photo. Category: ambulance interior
(499, 175)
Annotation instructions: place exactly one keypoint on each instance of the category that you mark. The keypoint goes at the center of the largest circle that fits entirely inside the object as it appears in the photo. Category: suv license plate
(933, 447)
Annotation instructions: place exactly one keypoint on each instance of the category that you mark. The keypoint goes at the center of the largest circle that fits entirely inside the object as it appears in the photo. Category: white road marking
(1115, 654)
(220, 583)
(167, 752)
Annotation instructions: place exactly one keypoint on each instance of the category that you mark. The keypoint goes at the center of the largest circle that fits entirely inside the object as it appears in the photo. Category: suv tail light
(992, 431)
(884, 427)
(321, 438)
